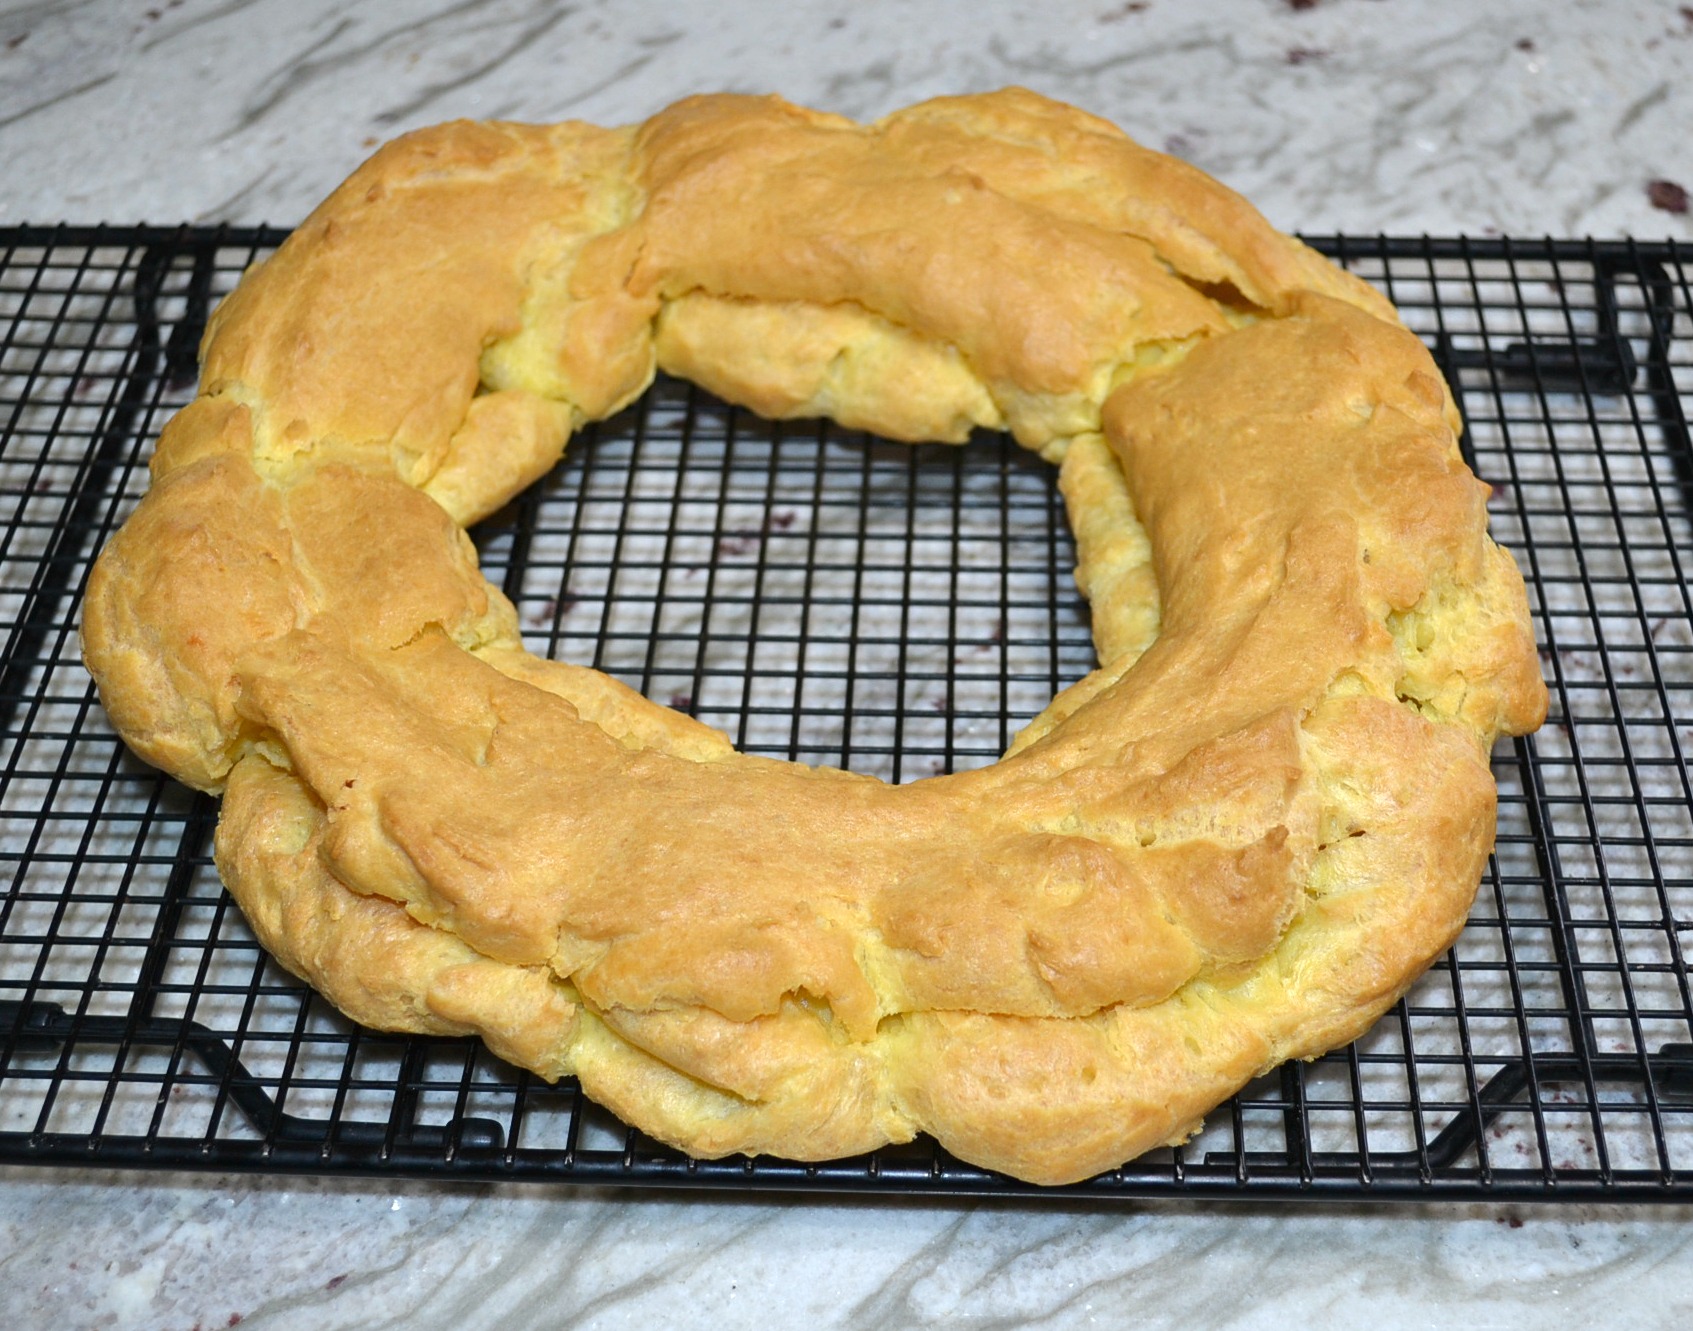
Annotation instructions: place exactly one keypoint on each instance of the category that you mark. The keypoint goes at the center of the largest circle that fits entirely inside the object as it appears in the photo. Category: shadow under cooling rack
(827, 597)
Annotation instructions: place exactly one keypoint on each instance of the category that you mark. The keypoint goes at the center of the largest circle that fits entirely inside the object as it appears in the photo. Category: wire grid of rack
(828, 597)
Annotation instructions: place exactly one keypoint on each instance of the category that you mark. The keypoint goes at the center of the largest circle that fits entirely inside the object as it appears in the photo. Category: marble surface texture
(1357, 115)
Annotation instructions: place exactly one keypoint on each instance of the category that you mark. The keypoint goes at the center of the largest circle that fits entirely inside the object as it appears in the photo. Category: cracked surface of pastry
(1234, 843)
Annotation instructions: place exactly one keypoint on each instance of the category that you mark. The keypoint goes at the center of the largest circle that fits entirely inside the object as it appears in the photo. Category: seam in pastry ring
(1235, 842)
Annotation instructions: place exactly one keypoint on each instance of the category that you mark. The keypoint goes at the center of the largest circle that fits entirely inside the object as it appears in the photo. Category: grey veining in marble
(1405, 115)
(1359, 115)
(334, 1255)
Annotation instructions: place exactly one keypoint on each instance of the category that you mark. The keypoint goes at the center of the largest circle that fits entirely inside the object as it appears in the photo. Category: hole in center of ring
(816, 593)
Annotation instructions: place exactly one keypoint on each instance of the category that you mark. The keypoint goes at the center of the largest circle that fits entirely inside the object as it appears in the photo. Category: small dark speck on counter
(1298, 6)
(1186, 141)
(1525, 43)
(837, 23)
(12, 43)
(1123, 11)
(335, 1282)
(1667, 196)
(1303, 55)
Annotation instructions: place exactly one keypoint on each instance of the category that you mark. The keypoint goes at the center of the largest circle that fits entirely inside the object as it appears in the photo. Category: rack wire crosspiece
(828, 597)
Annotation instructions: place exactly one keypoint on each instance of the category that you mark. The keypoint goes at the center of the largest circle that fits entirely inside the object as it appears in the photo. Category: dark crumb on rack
(681, 701)
(549, 611)
(1304, 55)
(1667, 196)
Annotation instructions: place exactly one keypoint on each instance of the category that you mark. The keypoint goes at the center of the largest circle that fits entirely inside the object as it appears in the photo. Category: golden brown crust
(1234, 843)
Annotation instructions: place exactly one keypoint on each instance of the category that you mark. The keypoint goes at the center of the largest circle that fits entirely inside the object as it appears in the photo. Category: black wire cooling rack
(828, 597)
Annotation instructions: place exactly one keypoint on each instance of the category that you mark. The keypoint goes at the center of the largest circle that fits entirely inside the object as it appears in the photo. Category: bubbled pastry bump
(1235, 842)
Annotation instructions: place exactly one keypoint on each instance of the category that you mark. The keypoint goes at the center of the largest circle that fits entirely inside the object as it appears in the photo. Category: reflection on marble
(1359, 115)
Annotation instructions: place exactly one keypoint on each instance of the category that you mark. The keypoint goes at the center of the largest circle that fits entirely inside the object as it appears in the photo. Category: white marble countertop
(1358, 115)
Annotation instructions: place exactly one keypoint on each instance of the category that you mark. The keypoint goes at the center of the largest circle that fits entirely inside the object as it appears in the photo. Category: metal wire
(826, 597)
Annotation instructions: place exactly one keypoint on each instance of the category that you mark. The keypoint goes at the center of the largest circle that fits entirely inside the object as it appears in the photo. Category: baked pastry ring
(1234, 843)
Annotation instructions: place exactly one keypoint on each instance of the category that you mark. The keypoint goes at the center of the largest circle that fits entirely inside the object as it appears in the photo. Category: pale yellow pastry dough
(1234, 843)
